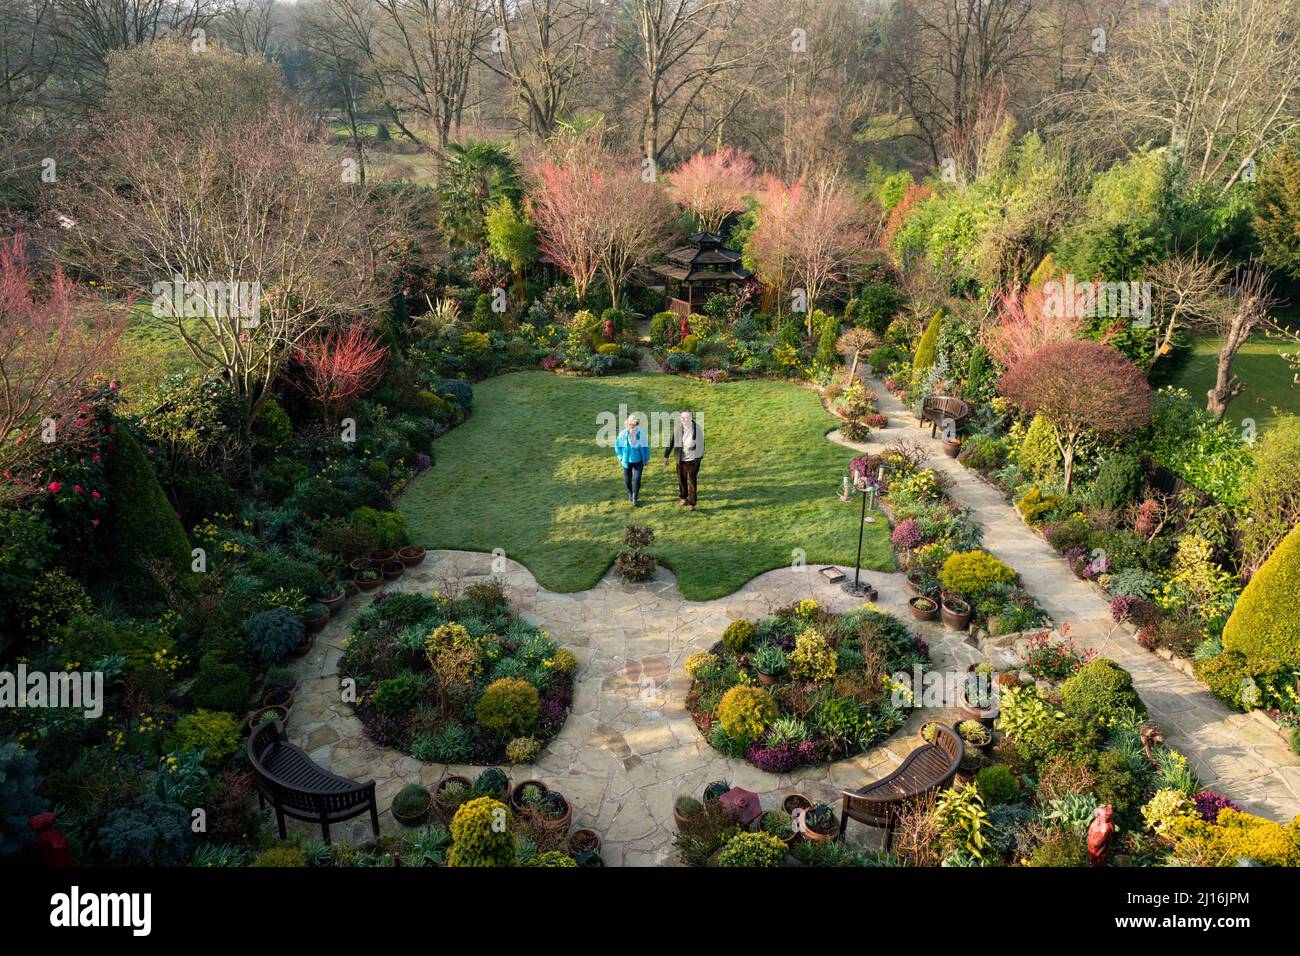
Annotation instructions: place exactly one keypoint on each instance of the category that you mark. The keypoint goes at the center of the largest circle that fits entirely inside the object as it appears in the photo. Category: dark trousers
(632, 478)
(687, 473)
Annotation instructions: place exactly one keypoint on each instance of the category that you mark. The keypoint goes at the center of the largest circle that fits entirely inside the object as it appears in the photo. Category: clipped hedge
(1264, 624)
(1100, 689)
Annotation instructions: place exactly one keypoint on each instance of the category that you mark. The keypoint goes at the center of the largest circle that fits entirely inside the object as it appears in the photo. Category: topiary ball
(746, 712)
(1100, 688)
(509, 705)
(738, 635)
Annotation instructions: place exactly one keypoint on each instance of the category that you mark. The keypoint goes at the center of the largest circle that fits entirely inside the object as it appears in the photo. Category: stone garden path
(1232, 752)
(629, 746)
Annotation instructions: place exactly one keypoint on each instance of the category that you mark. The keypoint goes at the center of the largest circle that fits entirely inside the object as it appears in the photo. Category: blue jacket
(632, 449)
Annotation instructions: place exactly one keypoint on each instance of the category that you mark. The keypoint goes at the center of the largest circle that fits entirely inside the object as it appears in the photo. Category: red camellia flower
(96, 494)
(78, 489)
(54, 487)
(94, 522)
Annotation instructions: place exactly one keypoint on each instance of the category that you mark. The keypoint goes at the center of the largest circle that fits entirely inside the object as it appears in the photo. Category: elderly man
(688, 441)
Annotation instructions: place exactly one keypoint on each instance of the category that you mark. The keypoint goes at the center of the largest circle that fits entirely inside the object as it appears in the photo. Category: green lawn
(525, 474)
(1268, 377)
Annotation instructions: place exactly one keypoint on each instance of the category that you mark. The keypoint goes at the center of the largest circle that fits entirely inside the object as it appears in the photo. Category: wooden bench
(936, 409)
(296, 785)
(929, 767)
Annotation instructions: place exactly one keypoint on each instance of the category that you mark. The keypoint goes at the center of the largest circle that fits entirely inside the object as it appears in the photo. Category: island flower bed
(804, 686)
(457, 679)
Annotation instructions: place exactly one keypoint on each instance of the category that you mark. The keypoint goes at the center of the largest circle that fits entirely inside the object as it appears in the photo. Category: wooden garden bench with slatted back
(929, 767)
(936, 409)
(297, 786)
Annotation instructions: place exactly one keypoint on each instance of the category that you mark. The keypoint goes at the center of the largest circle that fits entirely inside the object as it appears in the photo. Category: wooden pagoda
(695, 271)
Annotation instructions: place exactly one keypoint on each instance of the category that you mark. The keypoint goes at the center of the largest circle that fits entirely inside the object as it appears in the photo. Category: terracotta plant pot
(558, 824)
(955, 612)
(805, 831)
(275, 712)
(415, 820)
(305, 645)
(411, 555)
(796, 801)
(360, 564)
(445, 810)
(334, 601)
(278, 696)
(515, 803)
(393, 570)
(923, 608)
(315, 624)
(583, 840)
(766, 680)
(368, 584)
(951, 447)
(381, 555)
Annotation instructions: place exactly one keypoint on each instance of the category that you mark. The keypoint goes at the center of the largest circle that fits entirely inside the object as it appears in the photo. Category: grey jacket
(697, 450)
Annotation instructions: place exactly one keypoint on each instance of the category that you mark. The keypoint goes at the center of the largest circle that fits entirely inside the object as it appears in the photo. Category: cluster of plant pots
(798, 819)
(954, 611)
(529, 798)
(275, 705)
(384, 564)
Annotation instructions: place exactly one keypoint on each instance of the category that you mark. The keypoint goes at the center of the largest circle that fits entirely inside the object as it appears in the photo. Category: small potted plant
(589, 858)
(360, 564)
(526, 793)
(715, 790)
(393, 569)
(583, 841)
(977, 695)
(795, 801)
(451, 792)
(550, 809)
(332, 595)
(685, 807)
(817, 823)
(922, 583)
(955, 611)
(952, 447)
(264, 714)
(411, 555)
(493, 783)
(975, 734)
(380, 556)
(412, 804)
(368, 580)
(929, 730)
(316, 616)
(923, 608)
(769, 661)
(779, 824)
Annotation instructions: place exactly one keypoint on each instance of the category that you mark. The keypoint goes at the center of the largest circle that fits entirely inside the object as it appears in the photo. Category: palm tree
(475, 177)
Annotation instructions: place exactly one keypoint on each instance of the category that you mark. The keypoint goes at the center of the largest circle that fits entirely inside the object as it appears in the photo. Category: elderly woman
(688, 440)
(633, 451)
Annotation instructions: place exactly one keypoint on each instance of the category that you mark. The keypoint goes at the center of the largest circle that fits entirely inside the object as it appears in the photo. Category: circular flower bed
(804, 686)
(457, 680)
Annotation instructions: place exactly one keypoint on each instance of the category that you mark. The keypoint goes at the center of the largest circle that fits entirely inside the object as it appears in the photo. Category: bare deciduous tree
(540, 48)
(1218, 79)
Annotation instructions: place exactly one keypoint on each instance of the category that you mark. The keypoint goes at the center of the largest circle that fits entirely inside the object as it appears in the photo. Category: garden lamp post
(866, 486)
